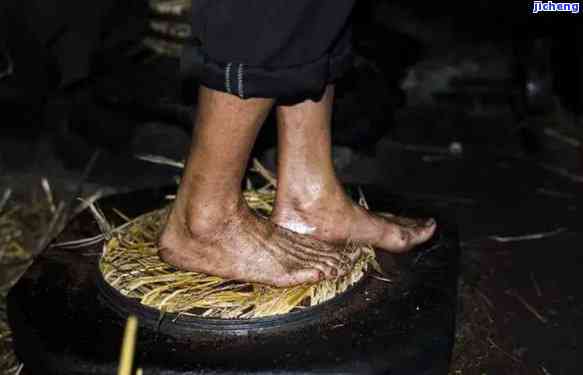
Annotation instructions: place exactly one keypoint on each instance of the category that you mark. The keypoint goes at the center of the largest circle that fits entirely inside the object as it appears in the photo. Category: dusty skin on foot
(245, 246)
(336, 219)
(210, 229)
(310, 198)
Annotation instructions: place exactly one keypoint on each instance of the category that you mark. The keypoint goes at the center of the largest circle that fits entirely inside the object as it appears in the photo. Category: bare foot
(310, 199)
(240, 245)
(333, 217)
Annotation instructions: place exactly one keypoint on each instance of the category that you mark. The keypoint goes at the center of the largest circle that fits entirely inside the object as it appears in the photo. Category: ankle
(203, 220)
(309, 197)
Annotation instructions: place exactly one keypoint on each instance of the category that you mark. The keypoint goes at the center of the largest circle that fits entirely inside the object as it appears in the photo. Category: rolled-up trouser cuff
(282, 49)
(294, 82)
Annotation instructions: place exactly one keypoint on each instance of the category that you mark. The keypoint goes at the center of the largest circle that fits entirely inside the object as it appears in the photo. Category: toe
(301, 256)
(395, 239)
(353, 253)
(332, 266)
(329, 272)
(321, 247)
(422, 234)
(401, 234)
(303, 276)
(329, 256)
(348, 261)
(429, 222)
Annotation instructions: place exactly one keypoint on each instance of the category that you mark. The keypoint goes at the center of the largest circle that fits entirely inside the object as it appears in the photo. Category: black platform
(66, 322)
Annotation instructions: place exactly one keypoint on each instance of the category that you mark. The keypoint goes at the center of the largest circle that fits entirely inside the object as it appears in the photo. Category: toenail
(430, 222)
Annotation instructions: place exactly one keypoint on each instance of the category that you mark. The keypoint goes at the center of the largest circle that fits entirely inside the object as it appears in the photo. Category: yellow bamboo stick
(128, 347)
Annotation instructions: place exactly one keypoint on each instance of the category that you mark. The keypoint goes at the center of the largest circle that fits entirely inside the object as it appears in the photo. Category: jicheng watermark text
(549, 6)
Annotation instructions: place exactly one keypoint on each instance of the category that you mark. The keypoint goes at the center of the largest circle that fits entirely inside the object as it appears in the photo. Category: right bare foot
(240, 245)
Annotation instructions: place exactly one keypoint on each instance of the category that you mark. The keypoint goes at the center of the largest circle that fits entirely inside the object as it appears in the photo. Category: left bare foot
(310, 199)
(334, 217)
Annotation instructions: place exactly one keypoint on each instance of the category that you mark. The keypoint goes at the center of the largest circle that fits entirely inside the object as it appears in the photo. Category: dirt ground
(519, 220)
(519, 303)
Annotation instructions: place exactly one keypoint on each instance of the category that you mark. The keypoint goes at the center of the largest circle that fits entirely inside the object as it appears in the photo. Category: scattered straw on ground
(20, 228)
(131, 265)
(11, 251)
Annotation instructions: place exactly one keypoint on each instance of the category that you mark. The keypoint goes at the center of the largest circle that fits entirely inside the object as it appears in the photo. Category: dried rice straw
(130, 264)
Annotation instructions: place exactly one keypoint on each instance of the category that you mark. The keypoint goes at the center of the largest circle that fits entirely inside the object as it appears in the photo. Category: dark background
(472, 107)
